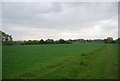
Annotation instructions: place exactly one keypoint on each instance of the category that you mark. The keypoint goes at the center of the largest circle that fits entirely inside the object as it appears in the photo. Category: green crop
(60, 61)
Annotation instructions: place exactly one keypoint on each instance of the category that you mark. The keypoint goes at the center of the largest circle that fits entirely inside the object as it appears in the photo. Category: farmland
(60, 61)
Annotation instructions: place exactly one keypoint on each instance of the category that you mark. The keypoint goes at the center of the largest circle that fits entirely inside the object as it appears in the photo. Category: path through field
(103, 64)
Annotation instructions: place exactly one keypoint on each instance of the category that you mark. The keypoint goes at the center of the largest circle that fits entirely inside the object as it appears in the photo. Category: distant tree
(117, 40)
(49, 41)
(81, 40)
(98, 41)
(62, 41)
(35, 42)
(109, 40)
(56, 42)
(29, 42)
(6, 38)
(8, 43)
(19, 42)
(69, 41)
(41, 41)
(24, 42)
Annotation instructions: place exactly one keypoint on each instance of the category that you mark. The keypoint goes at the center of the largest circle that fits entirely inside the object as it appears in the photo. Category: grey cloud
(67, 16)
(26, 13)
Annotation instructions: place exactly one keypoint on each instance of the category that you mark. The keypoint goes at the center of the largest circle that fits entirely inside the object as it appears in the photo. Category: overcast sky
(55, 20)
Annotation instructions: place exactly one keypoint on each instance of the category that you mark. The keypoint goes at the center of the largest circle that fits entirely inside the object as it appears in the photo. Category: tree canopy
(6, 38)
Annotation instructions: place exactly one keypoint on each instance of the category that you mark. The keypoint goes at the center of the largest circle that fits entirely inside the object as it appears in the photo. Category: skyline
(56, 20)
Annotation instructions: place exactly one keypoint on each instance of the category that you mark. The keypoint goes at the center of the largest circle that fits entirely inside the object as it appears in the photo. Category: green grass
(61, 61)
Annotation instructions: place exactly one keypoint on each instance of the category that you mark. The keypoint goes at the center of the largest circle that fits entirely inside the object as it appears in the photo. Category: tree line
(7, 39)
(48, 41)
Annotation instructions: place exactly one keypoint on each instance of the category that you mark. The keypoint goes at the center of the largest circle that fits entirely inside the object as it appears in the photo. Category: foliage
(8, 43)
(41, 41)
(109, 40)
(118, 40)
(6, 38)
(49, 41)
(62, 41)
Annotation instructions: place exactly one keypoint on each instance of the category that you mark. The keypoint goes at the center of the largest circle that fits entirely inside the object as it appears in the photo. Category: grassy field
(61, 61)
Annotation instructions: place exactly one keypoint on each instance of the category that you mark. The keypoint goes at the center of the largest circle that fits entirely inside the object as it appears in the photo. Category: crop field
(60, 61)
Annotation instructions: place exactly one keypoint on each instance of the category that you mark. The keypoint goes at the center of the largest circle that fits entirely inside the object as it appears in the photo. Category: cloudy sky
(55, 20)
